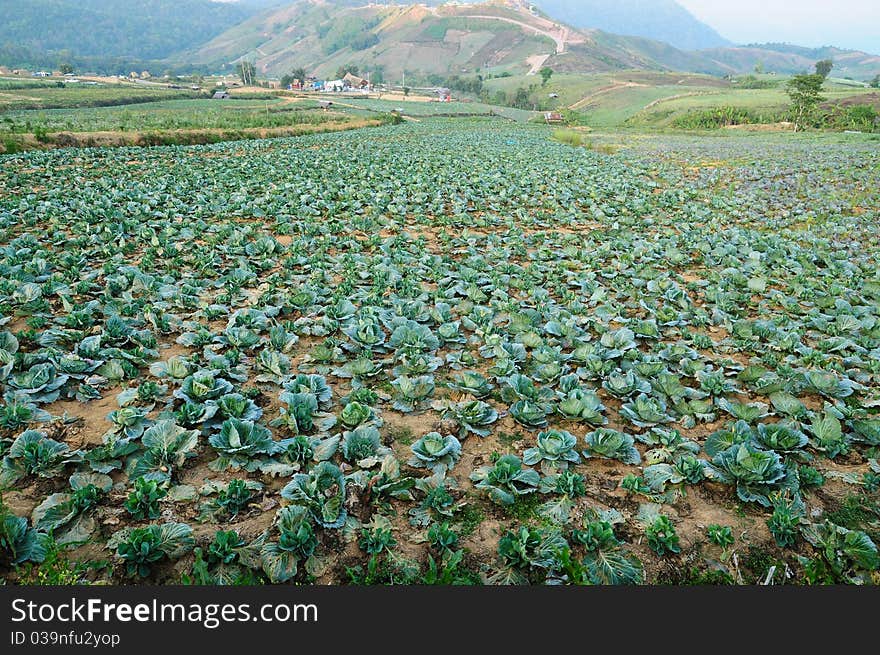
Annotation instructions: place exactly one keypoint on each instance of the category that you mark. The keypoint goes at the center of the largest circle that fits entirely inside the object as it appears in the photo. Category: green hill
(42, 31)
(785, 58)
(429, 38)
(494, 36)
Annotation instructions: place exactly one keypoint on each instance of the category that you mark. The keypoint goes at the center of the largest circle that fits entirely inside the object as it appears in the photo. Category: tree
(759, 67)
(293, 76)
(805, 92)
(876, 82)
(65, 69)
(247, 72)
(546, 74)
(342, 71)
(521, 98)
(406, 91)
(824, 67)
(299, 73)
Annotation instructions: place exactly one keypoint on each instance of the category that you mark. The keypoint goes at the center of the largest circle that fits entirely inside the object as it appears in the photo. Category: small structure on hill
(553, 117)
(221, 95)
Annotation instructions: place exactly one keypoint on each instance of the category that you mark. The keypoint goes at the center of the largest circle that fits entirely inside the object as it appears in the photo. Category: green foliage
(605, 560)
(376, 540)
(810, 477)
(682, 291)
(113, 31)
(805, 92)
(596, 535)
(506, 479)
(711, 119)
(442, 537)
(448, 570)
(143, 502)
(242, 444)
(661, 536)
(528, 548)
(235, 497)
(788, 513)
(321, 492)
(569, 137)
(141, 548)
(435, 452)
(247, 72)
(297, 544)
(823, 67)
(720, 535)
(56, 570)
(844, 555)
(167, 447)
(33, 453)
(20, 542)
(555, 450)
(755, 472)
(612, 444)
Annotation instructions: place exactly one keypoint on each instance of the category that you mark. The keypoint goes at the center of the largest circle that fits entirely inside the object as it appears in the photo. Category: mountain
(660, 20)
(786, 59)
(145, 29)
(494, 36)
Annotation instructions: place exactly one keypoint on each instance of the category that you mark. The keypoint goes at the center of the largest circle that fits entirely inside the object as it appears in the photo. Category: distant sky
(844, 23)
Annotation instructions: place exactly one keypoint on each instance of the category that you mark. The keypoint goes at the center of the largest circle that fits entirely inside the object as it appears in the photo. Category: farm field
(27, 94)
(768, 102)
(436, 109)
(644, 100)
(179, 121)
(452, 351)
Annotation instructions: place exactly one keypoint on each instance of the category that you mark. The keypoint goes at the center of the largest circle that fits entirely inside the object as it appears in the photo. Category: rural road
(536, 62)
(560, 36)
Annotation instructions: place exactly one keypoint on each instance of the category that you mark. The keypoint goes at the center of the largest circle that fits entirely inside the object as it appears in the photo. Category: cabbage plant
(40, 384)
(755, 472)
(554, 451)
(506, 479)
(411, 394)
(20, 542)
(167, 446)
(33, 453)
(202, 386)
(141, 548)
(435, 452)
(471, 417)
(321, 491)
(611, 444)
(242, 445)
(296, 546)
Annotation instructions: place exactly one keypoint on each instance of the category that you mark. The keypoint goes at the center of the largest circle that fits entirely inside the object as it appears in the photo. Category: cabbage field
(444, 352)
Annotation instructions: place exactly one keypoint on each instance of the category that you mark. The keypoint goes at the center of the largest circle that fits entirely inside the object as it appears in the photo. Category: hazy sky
(845, 23)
